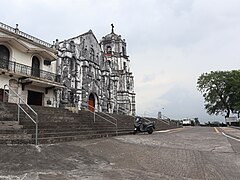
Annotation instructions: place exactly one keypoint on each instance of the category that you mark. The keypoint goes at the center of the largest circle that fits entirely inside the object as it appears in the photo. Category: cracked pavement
(185, 153)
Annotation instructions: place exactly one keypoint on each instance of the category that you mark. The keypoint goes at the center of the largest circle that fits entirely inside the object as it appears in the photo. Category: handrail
(19, 106)
(126, 112)
(94, 113)
(168, 123)
(135, 116)
(166, 120)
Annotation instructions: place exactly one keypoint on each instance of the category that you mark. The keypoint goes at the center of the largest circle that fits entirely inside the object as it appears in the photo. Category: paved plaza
(184, 153)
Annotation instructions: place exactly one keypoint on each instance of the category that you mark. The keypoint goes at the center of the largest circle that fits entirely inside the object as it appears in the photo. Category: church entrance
(35, 98)
(91, 102)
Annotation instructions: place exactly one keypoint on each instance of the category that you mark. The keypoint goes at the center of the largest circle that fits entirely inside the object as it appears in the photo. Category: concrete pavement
(186, 153)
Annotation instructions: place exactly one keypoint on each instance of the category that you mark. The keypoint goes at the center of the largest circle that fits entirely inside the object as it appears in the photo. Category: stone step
(11, 131)
(74, 133)
(56, 130)
(16, 139)
(10, 126)
(57, 115)
(51, 140)
(65, 133)
(8, 123)
(29, 124)
(56, 125)
(57, 121)
(60, 125)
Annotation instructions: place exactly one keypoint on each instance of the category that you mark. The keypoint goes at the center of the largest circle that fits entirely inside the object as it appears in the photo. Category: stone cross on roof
(112, 28)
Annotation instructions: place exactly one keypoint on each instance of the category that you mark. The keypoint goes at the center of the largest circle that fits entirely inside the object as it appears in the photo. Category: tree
(233, 85)
(221, 91)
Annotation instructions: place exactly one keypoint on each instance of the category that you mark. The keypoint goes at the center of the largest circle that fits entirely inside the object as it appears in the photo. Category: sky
(170, 43)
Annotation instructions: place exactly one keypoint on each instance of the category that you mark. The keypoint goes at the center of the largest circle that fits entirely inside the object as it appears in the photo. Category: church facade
(82, 72)
(96, 74)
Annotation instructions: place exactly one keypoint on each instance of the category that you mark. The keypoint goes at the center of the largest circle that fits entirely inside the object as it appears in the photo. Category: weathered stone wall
(100, 70)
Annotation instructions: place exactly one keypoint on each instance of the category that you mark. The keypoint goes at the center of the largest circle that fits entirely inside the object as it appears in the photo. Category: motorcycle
(140, 126)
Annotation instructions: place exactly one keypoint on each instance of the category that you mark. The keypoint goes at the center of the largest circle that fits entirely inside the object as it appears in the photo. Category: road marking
(169, 130)
(231, 137)
(163, 131)
(216, 130)
(175, 130)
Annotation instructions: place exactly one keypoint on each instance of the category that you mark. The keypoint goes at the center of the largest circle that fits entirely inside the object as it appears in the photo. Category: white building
(28, 66)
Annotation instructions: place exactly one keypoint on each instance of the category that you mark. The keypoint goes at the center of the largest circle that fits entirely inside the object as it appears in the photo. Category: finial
(16, 29)
(112, 28)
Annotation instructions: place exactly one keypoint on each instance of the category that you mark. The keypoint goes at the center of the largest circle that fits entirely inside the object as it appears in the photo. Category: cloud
(170, 43)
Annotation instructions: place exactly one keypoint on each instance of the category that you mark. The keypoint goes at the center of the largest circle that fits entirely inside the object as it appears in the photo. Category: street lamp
(162, 113)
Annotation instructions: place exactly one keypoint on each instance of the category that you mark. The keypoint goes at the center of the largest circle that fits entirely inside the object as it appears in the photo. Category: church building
(96, 74)
(79, 72)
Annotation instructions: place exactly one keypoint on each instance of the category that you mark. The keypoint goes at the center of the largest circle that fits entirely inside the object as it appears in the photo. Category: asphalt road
(185, 153)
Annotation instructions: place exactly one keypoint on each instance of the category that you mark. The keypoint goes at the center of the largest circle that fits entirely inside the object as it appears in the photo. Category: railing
(165, 120)
(126, 113)
(20, 101)
(162, 120)
(25, 35)
(28, 70)
(6, 27)
(95, 114)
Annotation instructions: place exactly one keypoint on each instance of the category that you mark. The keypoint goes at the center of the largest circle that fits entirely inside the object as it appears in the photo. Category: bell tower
(114, 50)
(121, 92)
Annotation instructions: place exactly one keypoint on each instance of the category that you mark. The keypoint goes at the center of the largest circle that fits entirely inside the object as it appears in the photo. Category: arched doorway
(91, 102)
(35, 67)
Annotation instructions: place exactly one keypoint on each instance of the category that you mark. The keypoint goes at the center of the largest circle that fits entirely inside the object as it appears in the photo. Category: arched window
(4, 57)
(124, 66)
(73, 64)
(92, 54)
(123, 51)
(109, 50)
(97, 59)
(35, 67)
(72, 46)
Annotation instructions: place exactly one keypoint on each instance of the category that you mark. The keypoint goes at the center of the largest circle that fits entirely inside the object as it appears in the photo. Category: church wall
(105, 76)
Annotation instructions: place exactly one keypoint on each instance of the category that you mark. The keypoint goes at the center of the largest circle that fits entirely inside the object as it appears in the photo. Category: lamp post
(162, 113)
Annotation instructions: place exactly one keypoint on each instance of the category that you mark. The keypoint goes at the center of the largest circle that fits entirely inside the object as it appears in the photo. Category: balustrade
(27, 70)
(25, 35)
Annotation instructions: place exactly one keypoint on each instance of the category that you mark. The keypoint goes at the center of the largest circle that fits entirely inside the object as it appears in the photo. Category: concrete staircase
(55, 125)
(10, 130)
(60, 125)
(12, 133)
